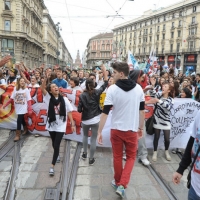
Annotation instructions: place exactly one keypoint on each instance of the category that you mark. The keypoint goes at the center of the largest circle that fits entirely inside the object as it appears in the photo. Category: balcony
(192, 24)
(173, 27)
(191, 50)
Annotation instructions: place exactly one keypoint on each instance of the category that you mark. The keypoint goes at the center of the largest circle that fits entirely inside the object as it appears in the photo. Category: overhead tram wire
(70, 23)
(111, 7)
(79, 6)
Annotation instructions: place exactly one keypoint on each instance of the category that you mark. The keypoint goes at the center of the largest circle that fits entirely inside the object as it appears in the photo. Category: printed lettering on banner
(182, 114)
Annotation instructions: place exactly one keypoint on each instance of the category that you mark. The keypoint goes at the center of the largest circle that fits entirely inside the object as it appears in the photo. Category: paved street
(92, 183)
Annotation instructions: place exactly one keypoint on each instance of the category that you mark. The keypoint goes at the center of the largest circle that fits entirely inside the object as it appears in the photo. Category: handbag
(189, 175)
(149, 124)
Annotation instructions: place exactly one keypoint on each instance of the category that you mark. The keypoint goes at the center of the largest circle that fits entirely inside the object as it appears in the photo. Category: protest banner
(182, 117)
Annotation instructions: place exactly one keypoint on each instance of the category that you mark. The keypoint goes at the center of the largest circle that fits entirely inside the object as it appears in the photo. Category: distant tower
(77, 60)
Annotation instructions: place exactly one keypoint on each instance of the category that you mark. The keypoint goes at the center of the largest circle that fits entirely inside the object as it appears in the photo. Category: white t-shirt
(34, 86)
(75, 88)
(94, 120)
(59, 126)
(21, 97)
(195, 174)
(126, 105)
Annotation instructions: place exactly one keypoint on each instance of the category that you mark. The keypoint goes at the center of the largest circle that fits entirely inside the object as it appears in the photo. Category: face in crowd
(81, 75)
(59, 74)
(33, 80)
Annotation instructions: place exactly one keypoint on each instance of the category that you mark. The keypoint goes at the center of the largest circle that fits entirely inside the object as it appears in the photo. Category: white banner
(182, 117)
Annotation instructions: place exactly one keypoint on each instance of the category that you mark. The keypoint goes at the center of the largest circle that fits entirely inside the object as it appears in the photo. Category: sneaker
(120, 191)
(58, 159)
(84, 156)
(174, 151)
(36, 135)
(124, 157)
(91, 161)
(145, 162)
(114, 185)
(51, 171)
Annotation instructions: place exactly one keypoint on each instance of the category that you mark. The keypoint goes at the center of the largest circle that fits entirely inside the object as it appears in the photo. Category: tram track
(162, 183)
(5, 149)
(65, 188)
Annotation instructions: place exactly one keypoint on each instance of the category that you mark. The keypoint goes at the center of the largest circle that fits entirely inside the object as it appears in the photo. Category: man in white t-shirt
(127, 101)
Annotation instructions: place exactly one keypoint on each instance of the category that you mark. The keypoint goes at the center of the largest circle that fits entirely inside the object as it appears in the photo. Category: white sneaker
(58, 159)
(124, 157)
(154, 157)
(168, 157)
(145, 161)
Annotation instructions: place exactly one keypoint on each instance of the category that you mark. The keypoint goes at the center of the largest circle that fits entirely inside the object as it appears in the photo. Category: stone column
(182, 62)
(18, 50)
(198, 63)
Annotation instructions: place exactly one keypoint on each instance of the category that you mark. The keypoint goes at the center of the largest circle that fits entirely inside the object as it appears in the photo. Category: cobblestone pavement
(5, 165)
(93, 182)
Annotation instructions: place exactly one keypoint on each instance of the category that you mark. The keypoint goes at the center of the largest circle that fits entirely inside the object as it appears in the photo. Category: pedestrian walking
(22, 102)
(163, 103)
(127, 99)
(58, 109)
(90, 109)
(138, 76)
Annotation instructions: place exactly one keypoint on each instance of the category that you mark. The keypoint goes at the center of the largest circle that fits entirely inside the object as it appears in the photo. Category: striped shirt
(162, 113)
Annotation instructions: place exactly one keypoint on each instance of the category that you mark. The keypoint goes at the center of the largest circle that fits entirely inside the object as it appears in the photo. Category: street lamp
(58, 29)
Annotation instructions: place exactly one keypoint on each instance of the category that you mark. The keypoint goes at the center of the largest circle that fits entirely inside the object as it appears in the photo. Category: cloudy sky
(82, 19)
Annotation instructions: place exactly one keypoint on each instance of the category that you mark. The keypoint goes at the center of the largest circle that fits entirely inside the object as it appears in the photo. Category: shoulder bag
(149, 124)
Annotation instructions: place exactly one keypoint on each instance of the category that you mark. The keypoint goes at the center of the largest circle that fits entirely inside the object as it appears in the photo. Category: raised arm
(43, 87)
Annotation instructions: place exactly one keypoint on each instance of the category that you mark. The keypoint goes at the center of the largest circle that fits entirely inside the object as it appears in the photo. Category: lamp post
(58, 29)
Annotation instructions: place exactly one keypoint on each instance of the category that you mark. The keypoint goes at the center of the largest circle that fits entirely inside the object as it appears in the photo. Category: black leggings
(157, 136)
(56, 138)
(20, 121)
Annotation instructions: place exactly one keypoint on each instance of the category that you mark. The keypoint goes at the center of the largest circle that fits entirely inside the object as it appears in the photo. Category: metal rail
(162, 183)
(73, 174)
(7, 146)
(10, 191)
(65, 188)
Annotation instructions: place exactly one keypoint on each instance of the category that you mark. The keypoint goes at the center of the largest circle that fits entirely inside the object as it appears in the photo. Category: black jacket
(89, 105)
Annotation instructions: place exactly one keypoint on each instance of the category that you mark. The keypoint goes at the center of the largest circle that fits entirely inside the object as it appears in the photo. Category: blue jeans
(192, 194)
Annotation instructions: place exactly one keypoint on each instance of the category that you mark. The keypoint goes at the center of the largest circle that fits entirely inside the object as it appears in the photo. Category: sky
(82, 19)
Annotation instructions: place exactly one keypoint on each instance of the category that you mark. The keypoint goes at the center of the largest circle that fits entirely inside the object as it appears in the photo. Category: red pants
(119, 139)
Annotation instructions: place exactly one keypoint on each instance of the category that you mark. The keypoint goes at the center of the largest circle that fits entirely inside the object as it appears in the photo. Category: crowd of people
(125, 96)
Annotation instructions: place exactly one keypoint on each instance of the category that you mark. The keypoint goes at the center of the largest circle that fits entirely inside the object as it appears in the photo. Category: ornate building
(173, 32)
(99, 48)
(21, 30)
(28, 32)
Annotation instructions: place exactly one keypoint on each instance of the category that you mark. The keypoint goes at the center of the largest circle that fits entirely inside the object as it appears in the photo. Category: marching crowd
(125, 96)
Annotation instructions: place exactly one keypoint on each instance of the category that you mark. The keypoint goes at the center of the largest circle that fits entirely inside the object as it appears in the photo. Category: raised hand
(5, 60)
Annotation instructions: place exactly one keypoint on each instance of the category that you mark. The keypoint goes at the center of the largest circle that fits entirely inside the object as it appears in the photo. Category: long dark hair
(90, 86)
(176, 88)
(187, 92)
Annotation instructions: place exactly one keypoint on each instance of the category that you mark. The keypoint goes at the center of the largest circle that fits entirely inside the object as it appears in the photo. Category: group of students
(125, 93)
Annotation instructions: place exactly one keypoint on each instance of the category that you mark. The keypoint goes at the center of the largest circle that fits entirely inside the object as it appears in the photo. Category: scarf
(51, 112)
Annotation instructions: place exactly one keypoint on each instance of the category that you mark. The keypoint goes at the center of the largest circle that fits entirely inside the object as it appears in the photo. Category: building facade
(28, 33)
(99, 48)
(172, 32)
(50, 40)
(21, 30)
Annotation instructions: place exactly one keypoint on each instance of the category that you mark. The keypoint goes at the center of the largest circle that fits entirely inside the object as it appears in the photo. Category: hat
(14, 71)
